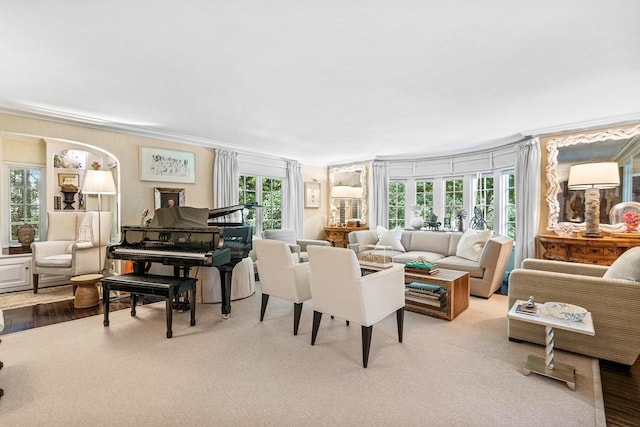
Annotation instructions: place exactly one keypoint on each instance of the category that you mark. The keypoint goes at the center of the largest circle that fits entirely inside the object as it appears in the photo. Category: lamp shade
(98, 182)
(346, 192)
(594, 175)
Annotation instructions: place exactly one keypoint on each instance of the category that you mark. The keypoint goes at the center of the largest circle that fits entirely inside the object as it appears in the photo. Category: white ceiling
(325, 81)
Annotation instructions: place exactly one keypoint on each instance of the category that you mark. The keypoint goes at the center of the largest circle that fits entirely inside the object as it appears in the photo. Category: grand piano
(184, 237)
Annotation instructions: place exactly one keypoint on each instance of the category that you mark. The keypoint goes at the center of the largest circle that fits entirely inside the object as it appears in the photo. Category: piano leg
(134, 302)
(169, 310)
(225, 288)
(192, 300)
(105, 302)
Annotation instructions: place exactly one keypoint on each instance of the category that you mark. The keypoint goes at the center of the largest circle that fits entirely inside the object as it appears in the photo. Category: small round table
(87, 294)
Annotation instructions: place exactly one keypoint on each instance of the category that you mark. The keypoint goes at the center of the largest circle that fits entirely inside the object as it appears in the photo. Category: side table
(546, 366)
(86, 287)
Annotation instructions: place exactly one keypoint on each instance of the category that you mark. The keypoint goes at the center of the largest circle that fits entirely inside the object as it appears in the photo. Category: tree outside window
(453, 200)
(510, 204)
(267, 192)
(484, 201)
(396, 204)
(424, 197)
(24, 190)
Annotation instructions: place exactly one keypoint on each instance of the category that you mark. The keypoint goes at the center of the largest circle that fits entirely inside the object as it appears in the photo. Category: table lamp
(592, 177)
(99, 182)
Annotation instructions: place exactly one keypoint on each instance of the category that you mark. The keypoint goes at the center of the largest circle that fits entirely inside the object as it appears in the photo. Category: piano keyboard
(162, 253)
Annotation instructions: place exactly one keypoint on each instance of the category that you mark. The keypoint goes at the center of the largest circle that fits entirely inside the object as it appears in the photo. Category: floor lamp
(99, 182)
(591, 177)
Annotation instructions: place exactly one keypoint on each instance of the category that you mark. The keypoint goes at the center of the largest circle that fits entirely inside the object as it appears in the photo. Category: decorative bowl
(561, 310)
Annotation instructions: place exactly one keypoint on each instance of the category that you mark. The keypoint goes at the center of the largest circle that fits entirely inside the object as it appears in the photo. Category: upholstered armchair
(71, 247)
(339, 289)
(297, 246)
(281, 277)
(611, 294)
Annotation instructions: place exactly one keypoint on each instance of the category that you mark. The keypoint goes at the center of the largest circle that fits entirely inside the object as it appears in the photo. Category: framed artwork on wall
(168, 197)
(167, 165)
(311, 194)
(69, 179)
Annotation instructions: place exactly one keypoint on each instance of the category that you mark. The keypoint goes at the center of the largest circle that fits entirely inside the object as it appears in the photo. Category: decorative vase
(69, 200)
(416, 222)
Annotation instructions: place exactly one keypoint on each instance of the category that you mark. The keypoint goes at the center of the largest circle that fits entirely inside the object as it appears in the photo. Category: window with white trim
(25, 190)
(484, 202)
(453, 199)
(396, 204)
(268, 193)
(509, 183)
(424, 197)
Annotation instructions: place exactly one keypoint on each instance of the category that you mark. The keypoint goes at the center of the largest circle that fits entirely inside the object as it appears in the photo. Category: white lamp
(99, 182)
(592, 177)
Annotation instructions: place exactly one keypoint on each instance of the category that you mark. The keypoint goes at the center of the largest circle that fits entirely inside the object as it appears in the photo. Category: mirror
(619, 144)
(349, 193)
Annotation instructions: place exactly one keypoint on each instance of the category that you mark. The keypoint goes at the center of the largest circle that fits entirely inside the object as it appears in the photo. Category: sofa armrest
(564, 267)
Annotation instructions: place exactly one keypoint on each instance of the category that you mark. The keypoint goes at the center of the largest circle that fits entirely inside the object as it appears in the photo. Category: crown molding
(136, 130)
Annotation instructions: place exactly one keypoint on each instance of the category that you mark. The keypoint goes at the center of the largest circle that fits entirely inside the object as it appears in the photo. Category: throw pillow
(472, 243)
(626, 267)
(390, 238)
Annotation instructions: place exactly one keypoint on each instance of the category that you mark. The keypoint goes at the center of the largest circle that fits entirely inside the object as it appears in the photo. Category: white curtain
(292, 199)
(527, 181)
(225, 178)
(379, 201)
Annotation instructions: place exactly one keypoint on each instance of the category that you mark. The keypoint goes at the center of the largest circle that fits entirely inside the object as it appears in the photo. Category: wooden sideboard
(601, 251)
(338, 236)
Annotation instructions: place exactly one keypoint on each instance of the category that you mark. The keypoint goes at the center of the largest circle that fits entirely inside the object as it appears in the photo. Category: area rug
(28, 298)
(241, 372)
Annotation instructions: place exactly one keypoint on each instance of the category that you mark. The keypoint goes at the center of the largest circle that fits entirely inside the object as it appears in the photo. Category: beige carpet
(241, 372)
(27, 298)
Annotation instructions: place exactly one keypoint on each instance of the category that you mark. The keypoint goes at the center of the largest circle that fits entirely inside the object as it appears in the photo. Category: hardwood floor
(620, 384)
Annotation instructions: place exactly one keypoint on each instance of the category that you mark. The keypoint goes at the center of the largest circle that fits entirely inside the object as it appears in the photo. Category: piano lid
(180, 217)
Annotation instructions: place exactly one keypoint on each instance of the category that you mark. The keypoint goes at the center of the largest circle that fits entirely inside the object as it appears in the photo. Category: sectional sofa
(485, 260)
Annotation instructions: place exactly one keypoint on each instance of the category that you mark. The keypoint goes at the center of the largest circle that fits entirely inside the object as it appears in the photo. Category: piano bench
(168, 287)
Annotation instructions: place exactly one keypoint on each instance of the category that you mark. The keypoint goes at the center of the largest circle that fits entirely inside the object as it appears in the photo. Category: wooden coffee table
(455, 282)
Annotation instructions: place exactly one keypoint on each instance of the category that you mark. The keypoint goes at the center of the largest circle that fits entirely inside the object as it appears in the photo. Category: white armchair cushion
(63, 260)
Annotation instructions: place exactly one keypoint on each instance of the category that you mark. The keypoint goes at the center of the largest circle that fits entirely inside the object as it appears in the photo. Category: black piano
(184, 237)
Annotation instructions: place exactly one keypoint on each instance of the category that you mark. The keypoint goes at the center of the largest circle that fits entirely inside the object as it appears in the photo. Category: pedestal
(87, 294)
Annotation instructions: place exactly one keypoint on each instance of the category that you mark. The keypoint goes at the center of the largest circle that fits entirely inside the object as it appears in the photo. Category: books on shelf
(426, 294)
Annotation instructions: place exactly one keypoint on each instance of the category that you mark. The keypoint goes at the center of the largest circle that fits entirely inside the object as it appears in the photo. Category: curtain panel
(379, 203)
(527, 177)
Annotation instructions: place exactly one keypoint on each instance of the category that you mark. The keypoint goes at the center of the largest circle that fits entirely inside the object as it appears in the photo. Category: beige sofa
(486, 274)
(613, 303)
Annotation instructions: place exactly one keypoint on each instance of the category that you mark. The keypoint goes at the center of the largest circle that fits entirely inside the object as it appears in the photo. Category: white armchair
(281, 277)
(339, 289)
(71, 247)
(297, 246)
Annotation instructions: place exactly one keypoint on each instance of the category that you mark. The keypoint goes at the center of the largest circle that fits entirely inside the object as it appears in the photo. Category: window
(453, 200)
(484, 201)
(510, 203)
(25, 185)
(396, 204)
(424, 197)
(267, 192)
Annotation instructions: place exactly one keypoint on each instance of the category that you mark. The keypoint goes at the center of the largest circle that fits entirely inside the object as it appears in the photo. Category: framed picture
(167, 165)
(69, 179)
(168, 197)
(311, 194)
